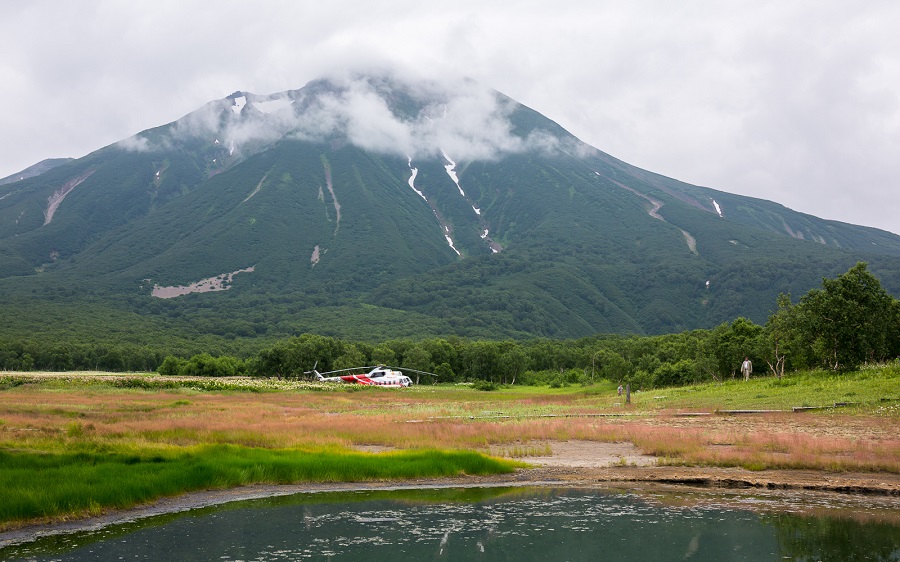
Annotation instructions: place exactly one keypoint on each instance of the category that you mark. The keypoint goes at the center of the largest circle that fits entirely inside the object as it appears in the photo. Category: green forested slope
(341, 244)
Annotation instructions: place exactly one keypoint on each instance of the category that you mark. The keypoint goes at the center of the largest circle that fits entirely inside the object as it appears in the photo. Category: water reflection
(827, 539)
(494, 524)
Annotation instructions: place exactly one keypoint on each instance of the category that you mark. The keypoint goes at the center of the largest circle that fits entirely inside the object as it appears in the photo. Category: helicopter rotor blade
(348, 369)
(413, 371)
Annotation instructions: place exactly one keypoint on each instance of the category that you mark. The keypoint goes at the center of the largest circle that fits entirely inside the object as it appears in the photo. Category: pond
(518, 524)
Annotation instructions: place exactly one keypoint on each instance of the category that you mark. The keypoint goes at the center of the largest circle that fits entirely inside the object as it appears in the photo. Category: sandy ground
(582, 464)
(592, 454)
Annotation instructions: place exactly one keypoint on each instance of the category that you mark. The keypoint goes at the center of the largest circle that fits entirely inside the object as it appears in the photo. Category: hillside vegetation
(850, 321)
(539, 236)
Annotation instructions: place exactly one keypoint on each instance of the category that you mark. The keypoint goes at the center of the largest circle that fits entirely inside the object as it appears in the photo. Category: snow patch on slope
(452, 247)
(451, 171)
(446, 229)
(271, 106)
(412, 179)
(239, 103)
(450, 167)
(718, 208)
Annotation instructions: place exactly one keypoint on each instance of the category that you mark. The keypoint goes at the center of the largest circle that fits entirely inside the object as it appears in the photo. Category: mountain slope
(373, 206)
(34, 170)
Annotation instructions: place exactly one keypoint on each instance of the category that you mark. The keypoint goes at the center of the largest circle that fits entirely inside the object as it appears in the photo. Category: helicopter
(380, 375)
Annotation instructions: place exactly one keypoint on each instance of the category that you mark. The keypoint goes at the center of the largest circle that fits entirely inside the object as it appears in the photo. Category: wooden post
(628, 393)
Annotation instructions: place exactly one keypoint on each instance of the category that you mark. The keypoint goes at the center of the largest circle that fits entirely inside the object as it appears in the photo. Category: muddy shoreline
(547, 476)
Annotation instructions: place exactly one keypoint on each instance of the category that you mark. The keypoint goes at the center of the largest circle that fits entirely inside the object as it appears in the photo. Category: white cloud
(362, 115)
(136, 143)
(461, 117)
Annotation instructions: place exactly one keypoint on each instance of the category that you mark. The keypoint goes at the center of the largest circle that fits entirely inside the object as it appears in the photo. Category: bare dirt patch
(589, 454)
(571, 454)
(373, 448)
(218, 283)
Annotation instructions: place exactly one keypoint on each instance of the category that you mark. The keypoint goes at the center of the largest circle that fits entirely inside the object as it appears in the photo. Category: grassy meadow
(79, 444)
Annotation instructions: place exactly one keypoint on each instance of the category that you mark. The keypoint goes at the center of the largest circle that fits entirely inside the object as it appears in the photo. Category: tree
(352, 357)
(26, 363)
(417, 359)
(205, 365)
(679, 373)
(779, 333)
(610, 365)
(735, 341)
(307, 351)
(171, 366)
(269, 362)
(850, 320)
(384, 355)
(513, 363)
(441, 351)
(445, 372)
(481, 359)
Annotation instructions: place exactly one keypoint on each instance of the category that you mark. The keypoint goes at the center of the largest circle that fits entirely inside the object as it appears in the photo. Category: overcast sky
(797, 102)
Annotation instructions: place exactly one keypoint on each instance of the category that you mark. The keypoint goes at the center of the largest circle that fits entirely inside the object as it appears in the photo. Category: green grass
(48, 485)
(867, 389)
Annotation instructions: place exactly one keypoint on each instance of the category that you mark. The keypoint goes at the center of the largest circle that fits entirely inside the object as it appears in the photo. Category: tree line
(850, 320)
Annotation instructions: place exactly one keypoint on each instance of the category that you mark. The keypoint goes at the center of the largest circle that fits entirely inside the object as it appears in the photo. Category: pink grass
(346, 419)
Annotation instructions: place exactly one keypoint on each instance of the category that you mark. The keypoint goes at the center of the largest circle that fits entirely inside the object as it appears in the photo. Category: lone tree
(780, 333)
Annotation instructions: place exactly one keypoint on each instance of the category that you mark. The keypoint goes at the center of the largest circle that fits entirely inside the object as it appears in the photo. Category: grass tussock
(37, 485)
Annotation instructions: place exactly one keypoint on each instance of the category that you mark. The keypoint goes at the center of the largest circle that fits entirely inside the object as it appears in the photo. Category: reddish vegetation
(825, 442)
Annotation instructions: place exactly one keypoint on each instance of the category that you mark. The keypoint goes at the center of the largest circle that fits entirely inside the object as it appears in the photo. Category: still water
(518, 524)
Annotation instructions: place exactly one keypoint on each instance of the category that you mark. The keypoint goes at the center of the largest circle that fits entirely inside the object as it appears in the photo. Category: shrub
(171, 366)
(676, 374)
(640, 380)
(485, 385)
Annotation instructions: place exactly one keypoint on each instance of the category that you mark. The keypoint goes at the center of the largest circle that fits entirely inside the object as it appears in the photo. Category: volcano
(372, 207)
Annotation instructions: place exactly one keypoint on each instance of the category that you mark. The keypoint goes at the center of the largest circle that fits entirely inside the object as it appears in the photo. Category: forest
(849, 321)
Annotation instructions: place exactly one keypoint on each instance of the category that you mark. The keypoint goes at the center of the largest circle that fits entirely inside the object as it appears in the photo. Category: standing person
(746, 368)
